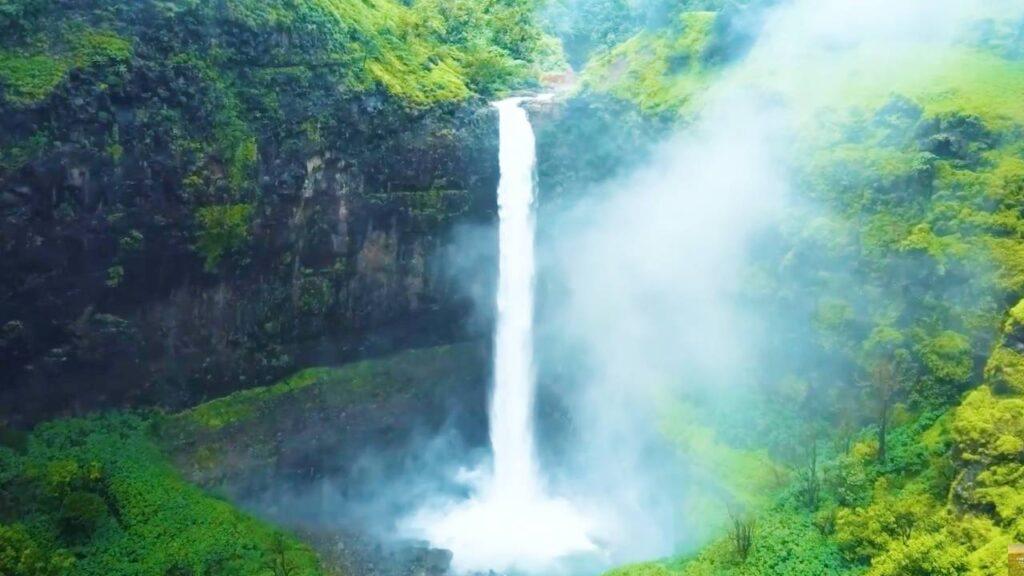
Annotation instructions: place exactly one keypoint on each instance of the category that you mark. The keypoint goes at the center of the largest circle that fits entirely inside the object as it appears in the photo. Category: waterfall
(511, 410)
(511, 523)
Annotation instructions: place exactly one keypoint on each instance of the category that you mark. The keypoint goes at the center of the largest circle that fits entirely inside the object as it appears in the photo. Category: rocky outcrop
(201, 197)
(116, 290)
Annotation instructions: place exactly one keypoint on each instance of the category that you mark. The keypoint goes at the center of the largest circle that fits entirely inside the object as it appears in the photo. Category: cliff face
(104, 289)
(195, 202)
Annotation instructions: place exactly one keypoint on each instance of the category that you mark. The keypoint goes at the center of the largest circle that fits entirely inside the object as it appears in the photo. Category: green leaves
(223, 230)
(28, 79)
(987, 428)
(77, 476)
(23, 555)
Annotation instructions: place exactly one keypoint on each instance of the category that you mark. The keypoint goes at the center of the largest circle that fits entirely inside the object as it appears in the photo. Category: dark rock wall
(105, 299)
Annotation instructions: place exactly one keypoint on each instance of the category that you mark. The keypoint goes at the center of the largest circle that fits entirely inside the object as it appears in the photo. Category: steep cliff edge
(200, 197)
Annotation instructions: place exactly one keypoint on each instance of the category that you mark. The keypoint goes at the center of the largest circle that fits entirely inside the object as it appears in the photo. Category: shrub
(164, 525)
(100, 48)
(81, 513)
(21, 555)
(742, 532)
(987, 428)
(222, 230)
(29, 79)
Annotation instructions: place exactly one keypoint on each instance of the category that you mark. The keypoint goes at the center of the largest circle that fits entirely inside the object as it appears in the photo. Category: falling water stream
(511, 412)
(511, 523)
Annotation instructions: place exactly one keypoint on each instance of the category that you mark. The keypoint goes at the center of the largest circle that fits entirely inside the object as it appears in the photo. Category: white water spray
(511, 524)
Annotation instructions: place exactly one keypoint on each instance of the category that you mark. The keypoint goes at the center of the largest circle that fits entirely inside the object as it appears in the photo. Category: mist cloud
(645, 280)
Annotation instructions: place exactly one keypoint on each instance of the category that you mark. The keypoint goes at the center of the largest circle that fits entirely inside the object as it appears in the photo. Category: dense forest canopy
(247, 243)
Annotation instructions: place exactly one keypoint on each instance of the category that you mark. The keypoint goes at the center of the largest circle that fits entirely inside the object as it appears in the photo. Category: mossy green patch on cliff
(246, 404)
(17, 155)
(27, 79)
(322, 417)
(397, 52)
(29, 75)
(409, 372)
(100, 48)
(223, 230)
(423, 52)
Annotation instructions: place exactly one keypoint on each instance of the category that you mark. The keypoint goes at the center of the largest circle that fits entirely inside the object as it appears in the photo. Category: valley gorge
(268, 307)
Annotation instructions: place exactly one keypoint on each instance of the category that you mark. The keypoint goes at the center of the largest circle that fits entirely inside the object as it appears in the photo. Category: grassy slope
(947, 499)
(234, 441)
(350, 385)
(99, 495)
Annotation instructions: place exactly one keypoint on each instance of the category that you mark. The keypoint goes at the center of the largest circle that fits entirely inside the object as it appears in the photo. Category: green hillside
(900, 443)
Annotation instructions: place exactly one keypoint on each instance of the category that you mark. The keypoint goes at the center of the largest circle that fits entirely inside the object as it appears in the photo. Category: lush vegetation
(891, 292)
(109, 494)
(223, 229)
(249, 145)
(328, 388)
(97, 496)
(222, 70)
(660, 69)
(424, 52)
(886, 439)
(590, 28)
(242, 54)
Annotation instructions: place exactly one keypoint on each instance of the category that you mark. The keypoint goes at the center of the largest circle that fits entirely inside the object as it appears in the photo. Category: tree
(21, 555)
(278, 560)
(744, 527)
(888, 381)
(890, 370)
(810, 480)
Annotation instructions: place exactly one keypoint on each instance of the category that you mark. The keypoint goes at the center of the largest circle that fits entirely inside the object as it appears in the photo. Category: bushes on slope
(95, 496)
